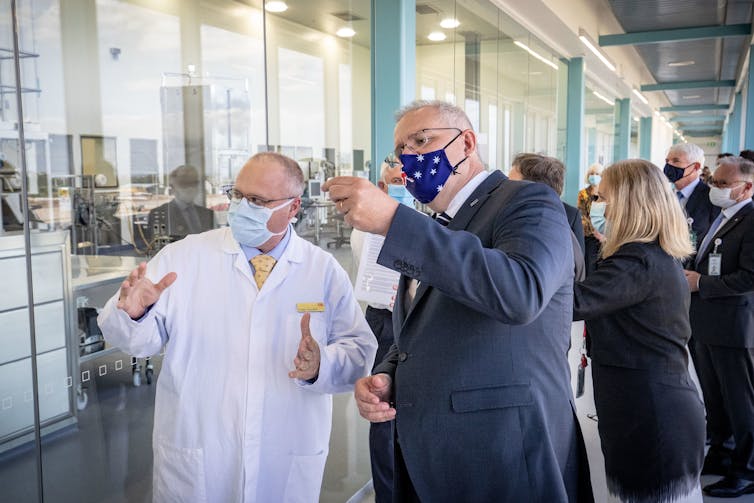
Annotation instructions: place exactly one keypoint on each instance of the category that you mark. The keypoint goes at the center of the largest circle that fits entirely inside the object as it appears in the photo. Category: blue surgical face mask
(248, 222)
(672, 173)
(597, 216)
(427, 173)
(401, 194)
(594, 180)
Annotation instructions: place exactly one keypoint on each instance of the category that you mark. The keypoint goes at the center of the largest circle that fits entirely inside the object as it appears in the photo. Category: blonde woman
(636, 305)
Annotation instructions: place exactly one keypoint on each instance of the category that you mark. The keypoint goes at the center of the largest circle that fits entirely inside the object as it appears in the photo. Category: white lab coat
(230, 425)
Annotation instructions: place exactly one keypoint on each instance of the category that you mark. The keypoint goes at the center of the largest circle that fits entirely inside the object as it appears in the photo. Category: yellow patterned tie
(263, 265)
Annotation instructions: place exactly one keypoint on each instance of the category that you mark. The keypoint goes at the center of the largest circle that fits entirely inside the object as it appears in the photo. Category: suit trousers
(727, 379)
(381, 434)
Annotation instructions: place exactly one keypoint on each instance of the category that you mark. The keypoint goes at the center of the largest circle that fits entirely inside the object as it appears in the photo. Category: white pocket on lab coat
(305, 478)
(178, 474)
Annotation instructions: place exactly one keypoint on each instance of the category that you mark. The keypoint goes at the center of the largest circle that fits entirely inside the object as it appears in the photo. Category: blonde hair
(642, 208)
(594, 169)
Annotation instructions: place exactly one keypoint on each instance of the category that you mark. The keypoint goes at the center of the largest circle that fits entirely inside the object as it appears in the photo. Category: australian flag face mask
(427, 173)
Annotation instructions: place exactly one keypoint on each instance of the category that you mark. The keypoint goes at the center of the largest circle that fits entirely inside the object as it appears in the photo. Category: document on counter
(375, 284)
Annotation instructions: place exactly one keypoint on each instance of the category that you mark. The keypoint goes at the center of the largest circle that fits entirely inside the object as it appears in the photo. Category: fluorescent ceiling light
(586, 40)
(609, 102)
(691, 97)
(657, 113)
(688, 62)
(641, 97)
(636, 119)
(275, 6)
(437, 36)
(536, 55)
(695, 111)
(450, 23)
(345, 32)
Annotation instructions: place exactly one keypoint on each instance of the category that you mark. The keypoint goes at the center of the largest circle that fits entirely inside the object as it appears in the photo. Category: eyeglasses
(419, 140)
(236, 196)
(722, 184)
(392, 161)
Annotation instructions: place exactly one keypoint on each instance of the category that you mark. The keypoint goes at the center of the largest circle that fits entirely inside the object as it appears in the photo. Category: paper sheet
(375, 284)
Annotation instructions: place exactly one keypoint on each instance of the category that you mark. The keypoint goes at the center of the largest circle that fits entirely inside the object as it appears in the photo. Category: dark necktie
(443, 218)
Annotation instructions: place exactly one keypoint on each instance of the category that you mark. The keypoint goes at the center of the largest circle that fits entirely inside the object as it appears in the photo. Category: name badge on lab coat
(310, 307)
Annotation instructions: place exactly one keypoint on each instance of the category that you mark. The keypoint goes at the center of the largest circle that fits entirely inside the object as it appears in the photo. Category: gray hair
(452, 115)
(744, 166)
(693, 152)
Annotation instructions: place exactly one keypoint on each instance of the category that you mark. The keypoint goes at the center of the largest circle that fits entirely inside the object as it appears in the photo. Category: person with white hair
(683, 167)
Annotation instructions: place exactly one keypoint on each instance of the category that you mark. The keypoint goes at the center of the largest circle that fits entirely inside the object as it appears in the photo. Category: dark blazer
(722, 312)
(173, 217)
(573, 214)
(701, 210)
(637, 301)
(481, 380)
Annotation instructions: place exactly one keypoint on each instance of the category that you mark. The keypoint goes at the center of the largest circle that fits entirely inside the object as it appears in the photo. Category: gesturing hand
(137, 293)
(372, 395)
(307, 357)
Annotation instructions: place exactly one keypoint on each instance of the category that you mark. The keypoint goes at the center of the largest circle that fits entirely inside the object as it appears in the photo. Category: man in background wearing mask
(721, 279)
(181, 216)
(683, 167)
(477, 380)
(380, 319)
(259, 328)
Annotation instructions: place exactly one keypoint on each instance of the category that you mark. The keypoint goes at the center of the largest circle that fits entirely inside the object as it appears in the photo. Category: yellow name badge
(310, 307)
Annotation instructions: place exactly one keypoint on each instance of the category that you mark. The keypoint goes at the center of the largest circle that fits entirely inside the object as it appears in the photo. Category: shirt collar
(275, 253)
(688, 189)
(464, 193)
(729, 212)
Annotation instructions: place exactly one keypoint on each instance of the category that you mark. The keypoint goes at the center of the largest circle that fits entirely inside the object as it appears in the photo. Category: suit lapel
(460, 222)
(722, 231)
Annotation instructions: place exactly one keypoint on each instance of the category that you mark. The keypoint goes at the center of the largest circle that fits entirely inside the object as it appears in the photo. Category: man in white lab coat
(259, 327)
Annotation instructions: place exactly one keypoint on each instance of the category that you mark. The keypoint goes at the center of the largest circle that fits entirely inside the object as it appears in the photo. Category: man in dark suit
(722, 324)
(478, 380)
(551, 172)
(683, 167)
(181, 216)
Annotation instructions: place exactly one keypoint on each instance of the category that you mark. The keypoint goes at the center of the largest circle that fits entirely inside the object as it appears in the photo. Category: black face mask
(674, 174)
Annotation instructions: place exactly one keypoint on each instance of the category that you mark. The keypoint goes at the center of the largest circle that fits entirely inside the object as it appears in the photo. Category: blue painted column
(734, 126)
(645, 138)
(393, 70)
(574, 129)
(622, 129)
(749, 125)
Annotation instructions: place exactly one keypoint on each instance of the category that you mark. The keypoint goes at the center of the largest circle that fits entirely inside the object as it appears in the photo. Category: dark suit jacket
(722, 312)
(701, 210)
(573, 214)
(637, 301)
(174, 219)
(481, 380)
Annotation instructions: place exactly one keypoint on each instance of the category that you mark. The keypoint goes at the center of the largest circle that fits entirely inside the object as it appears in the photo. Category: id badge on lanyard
(714, 263)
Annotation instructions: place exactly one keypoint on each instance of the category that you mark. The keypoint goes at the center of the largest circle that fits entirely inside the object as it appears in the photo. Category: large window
(475, 56)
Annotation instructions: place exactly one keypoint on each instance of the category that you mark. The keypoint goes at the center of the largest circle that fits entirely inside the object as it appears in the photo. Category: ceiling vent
(426, 9)
(347, 16)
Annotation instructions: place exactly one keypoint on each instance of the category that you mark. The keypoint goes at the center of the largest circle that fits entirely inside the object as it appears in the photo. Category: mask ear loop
(454, 169)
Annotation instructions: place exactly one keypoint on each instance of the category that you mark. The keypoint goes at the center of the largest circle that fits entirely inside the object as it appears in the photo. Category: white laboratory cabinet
(56, 349)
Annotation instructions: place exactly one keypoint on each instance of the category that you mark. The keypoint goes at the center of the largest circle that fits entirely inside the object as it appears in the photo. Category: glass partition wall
(128, 108)
(474, 55)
